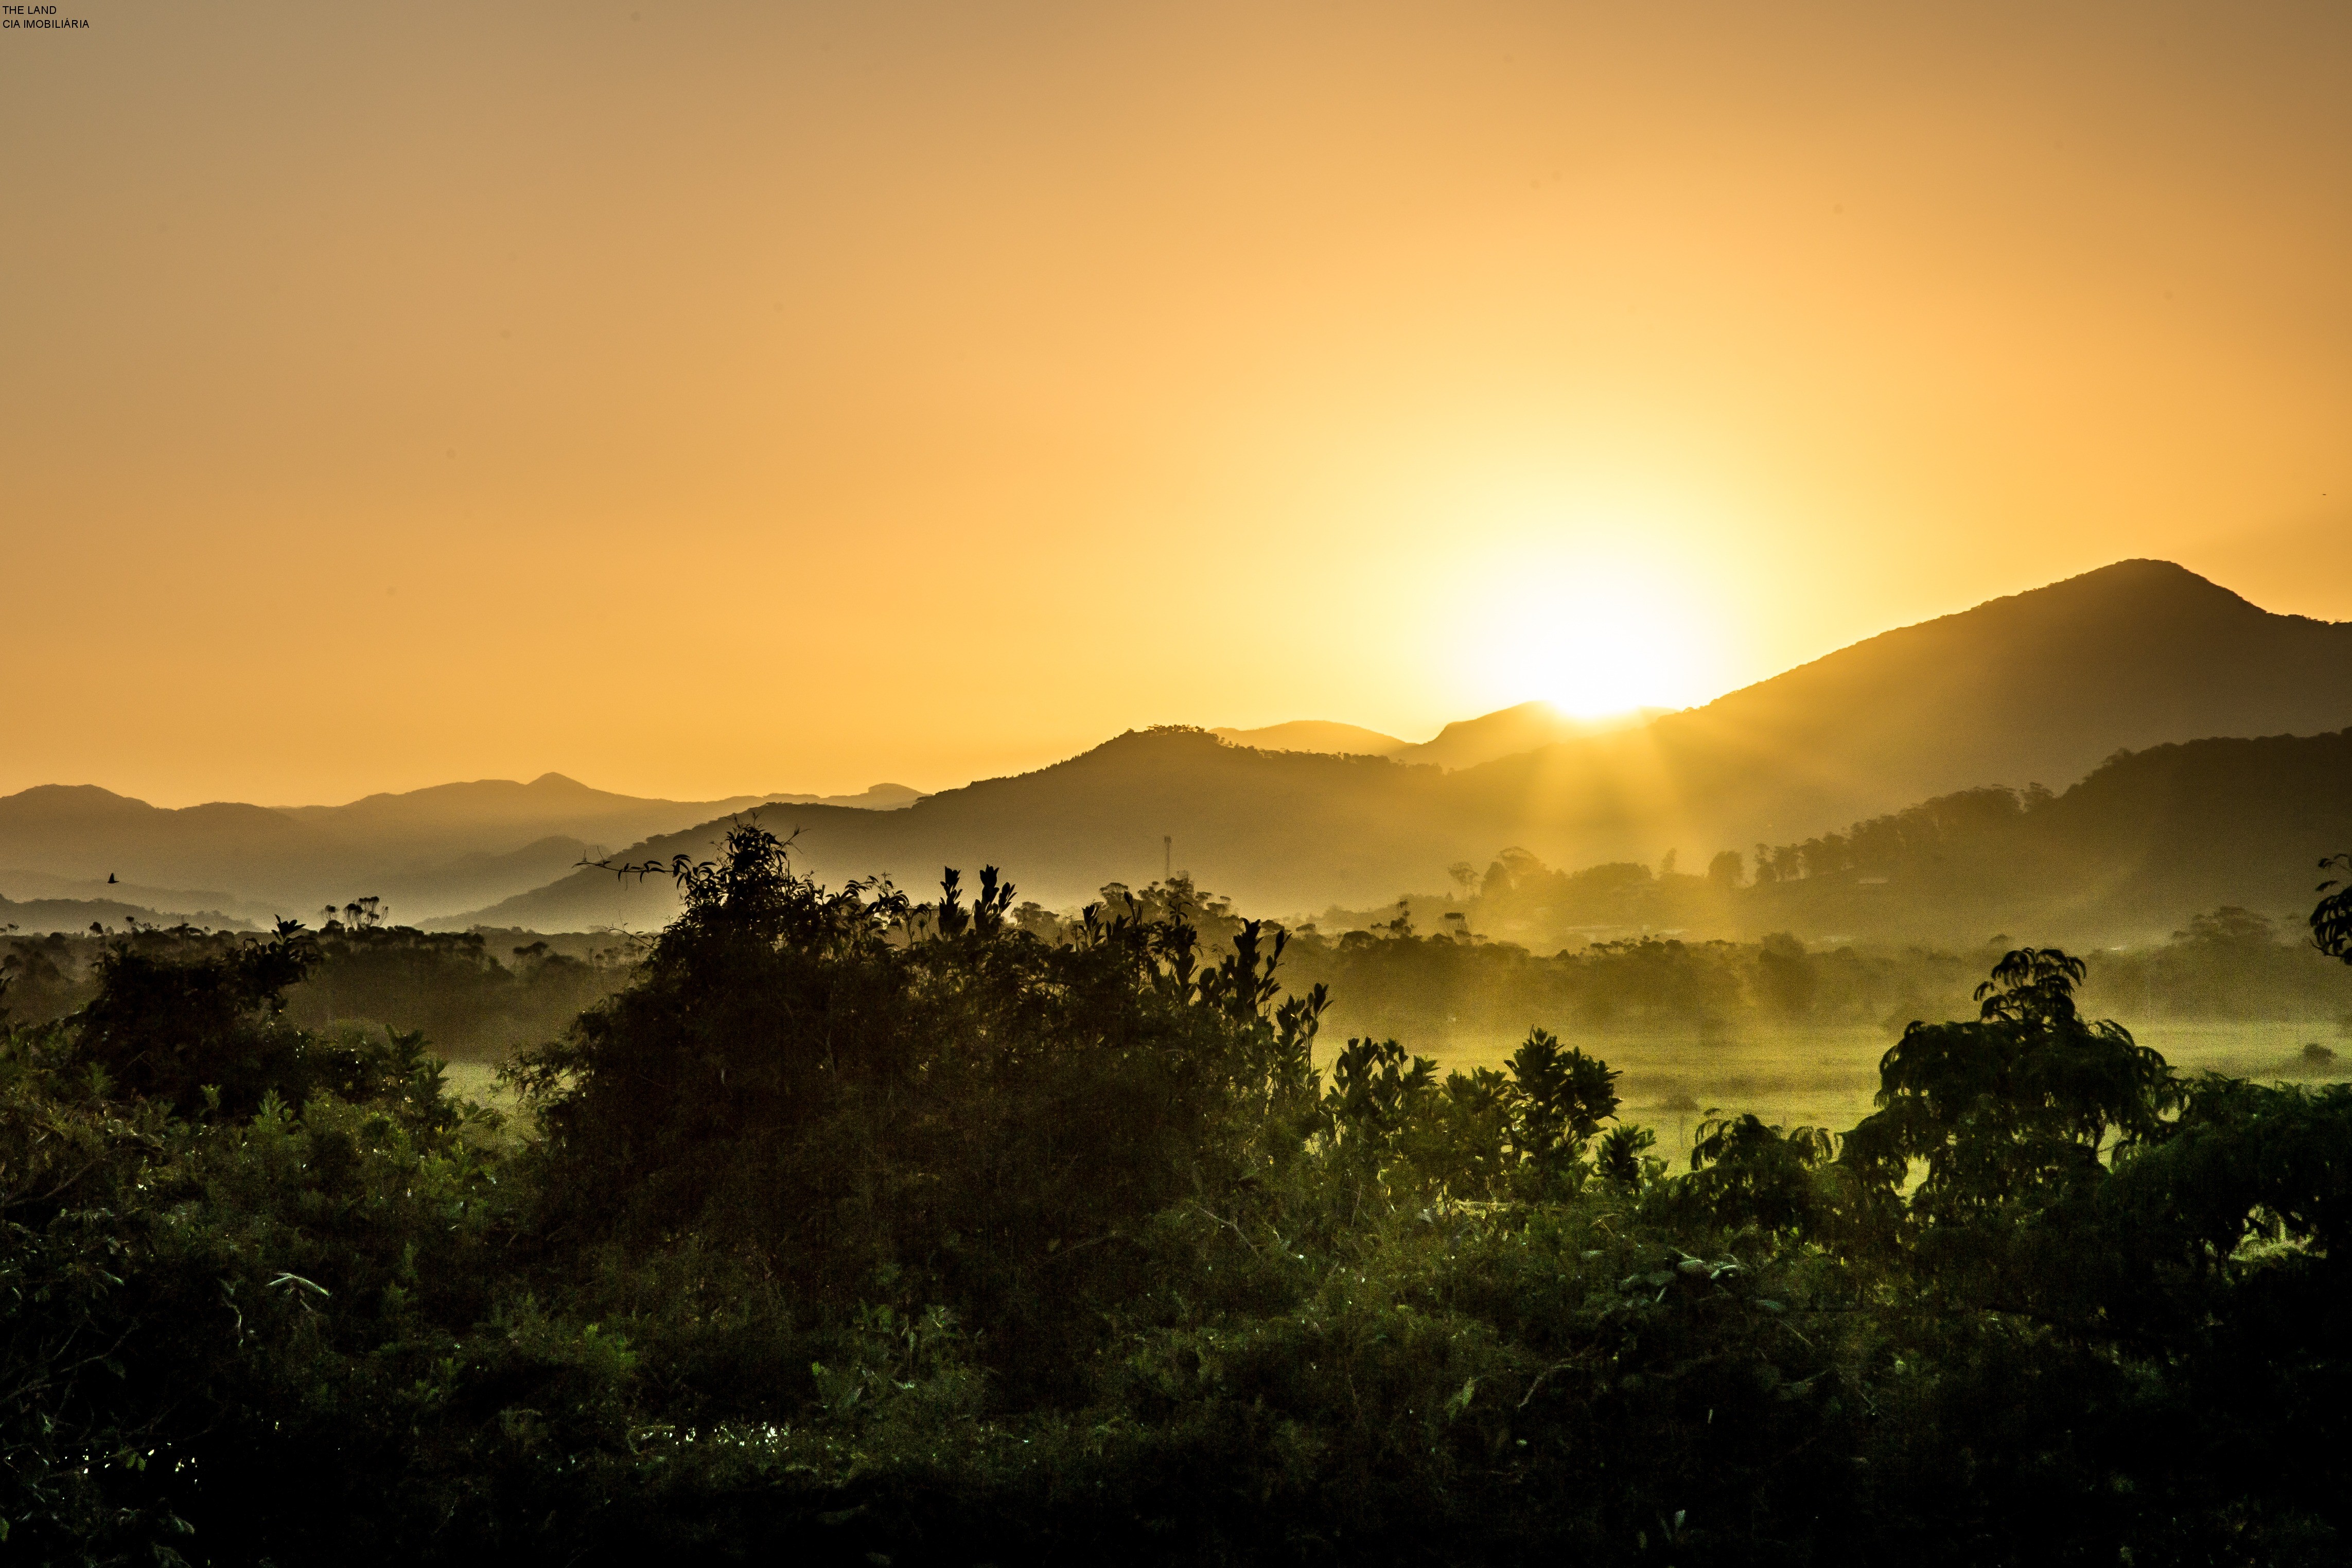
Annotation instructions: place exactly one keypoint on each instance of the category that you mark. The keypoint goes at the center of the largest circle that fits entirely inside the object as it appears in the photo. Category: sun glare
(1594, 644)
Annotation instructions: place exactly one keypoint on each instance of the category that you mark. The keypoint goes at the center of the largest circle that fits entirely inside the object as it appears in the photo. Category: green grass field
(478, 1082)
(1801, 1076)
(1826, 1077)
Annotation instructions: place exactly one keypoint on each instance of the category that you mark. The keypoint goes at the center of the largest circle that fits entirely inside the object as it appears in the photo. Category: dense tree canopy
(877, 1230)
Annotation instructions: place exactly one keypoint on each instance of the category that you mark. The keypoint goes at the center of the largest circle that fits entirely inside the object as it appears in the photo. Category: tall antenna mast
(1167, 855)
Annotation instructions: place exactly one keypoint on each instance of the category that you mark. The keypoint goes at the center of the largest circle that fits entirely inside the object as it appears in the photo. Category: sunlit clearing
(1594, 644)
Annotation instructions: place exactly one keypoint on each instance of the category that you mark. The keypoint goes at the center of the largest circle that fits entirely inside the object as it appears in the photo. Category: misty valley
(1791, 1031)
(1896, 1113)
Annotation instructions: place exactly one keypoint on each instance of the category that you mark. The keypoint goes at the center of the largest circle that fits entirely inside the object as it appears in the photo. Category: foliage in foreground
(874, 1231)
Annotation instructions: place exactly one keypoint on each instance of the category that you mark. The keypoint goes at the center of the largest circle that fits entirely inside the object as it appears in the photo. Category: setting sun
(1593, 643)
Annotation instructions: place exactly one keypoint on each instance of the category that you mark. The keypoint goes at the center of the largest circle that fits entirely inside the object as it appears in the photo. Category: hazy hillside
(1466, 743)
(873, 798)
(81, 830)
(428, 851)
(481, 877)
(2127, 854)
(1273, 827)
(2038, 687)
(1317, 735)
(170, 903)
(487, 813)
(36, 915)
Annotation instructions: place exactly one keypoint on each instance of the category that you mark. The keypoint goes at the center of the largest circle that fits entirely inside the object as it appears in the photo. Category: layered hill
(485, 816)
(39, 915)
(114, 902)
(2147, 840)
(432, 850)
(1321, 735)
(1511, 731)
(2125, 855)
(2135, 852)
(2040, 687)
(1271, 826)
(1465, 743)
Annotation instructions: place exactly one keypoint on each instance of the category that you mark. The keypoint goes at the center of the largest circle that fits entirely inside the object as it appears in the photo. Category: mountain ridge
(2039, 685)
(2036, 686)
(1996, 694)
(1327, 736)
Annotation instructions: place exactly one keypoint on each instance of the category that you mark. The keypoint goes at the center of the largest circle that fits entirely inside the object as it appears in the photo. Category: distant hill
(168, 902)
(1320, 734)
(1465, 743)
(85, 833)
(873, 798)
(480, 877)
(1509, 731)
(2149, 840)
(2127, 854)
(1273, 825)
(486, 813)
(429, 852)
(2040, 687)
(36, 916)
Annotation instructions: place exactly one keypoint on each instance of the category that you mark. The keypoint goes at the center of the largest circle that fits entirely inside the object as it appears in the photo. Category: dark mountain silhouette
(1317, 735)
(1507, 732)
(873, 798)
(1273, 825)
(2127, 854)
(1465, 743)
(2040, 687)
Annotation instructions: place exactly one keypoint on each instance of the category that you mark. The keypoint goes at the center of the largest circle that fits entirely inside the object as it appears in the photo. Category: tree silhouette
(2025, 1098)
(2331, 918)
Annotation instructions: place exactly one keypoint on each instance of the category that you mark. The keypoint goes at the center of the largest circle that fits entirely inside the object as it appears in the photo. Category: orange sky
(697, 398)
